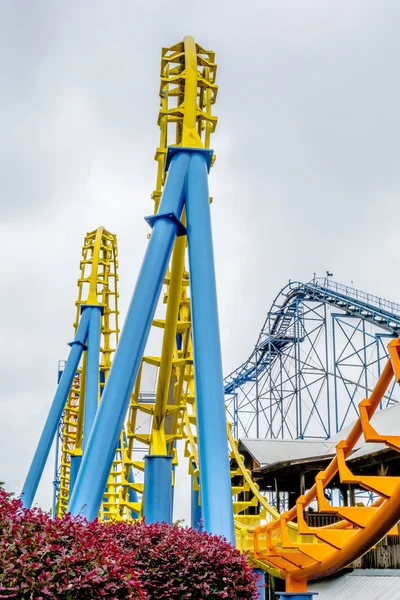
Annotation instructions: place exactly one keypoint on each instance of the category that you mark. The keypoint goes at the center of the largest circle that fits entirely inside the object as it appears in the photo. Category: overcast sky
(306, 177)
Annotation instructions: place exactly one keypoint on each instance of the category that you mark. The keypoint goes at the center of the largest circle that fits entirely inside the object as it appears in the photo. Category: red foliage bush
(70, 559)
(178, 563)
(41, 558)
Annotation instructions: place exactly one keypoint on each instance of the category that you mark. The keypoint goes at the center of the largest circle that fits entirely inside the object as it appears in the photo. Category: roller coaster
(327, 355)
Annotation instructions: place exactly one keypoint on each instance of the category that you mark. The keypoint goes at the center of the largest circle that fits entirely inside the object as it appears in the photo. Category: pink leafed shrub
(178, 563)
(70, 559)
(42, 559)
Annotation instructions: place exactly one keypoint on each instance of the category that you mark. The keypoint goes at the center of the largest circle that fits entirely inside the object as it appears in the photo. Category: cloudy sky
(306, 178)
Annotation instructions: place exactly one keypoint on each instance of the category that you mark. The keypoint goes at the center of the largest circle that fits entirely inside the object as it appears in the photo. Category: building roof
(275, 452)
(360, 584)
(269, 452)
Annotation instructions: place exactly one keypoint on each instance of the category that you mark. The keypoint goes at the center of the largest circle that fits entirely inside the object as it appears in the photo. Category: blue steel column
(55, 413)
(335, 374)
(56, 481)
(196, 514)
(260, 583)
(75, 465)
(157, 501)
(92, 371)
(216, 495)
(90, 484)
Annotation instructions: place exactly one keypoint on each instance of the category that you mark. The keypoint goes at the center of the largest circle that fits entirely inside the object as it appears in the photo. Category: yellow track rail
(97, 285)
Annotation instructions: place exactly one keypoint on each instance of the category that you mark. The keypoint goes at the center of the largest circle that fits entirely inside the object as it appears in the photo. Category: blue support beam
(260, 583)
(157, 504)
(54, 416)
(92, 371)
(97, 460)
(196, 513)
(75, 464)
(211, 420)
(56, 480)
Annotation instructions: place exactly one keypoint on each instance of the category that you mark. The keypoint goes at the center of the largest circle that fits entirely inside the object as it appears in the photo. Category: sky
(306, 177)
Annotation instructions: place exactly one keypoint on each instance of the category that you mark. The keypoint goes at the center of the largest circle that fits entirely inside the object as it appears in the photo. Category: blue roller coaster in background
(319, 353)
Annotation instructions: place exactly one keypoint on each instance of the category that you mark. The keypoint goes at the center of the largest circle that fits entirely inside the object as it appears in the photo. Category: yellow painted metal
(97, 286)
(190, 136)
(188, 74)
(68, 444)
(158, 441)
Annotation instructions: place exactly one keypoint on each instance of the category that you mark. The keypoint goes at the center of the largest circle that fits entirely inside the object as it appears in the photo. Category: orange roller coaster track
(313, 552)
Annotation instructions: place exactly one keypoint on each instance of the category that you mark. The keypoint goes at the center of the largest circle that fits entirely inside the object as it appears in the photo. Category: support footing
(296, 595)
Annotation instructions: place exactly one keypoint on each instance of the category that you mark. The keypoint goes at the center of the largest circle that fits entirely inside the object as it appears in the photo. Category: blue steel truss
(319, 353)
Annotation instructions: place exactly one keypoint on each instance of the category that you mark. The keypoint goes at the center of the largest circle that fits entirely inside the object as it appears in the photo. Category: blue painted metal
(282, 334)
(180, 228)
(92, 371)
(102, 381)
(56, 477)
(371, 308)
(196, 512)
(99, 453)
(173, 150)
(54, 416)
(211, 419)
(75, 465)
(260, 583)
(308, 372)
(297, 595)
(157, 501)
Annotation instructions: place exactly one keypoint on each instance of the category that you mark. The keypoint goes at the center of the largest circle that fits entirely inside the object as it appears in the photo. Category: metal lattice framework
(97, 284)
(319, 353)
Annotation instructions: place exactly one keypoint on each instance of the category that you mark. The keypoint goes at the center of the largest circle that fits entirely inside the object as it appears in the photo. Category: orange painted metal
(312, 552)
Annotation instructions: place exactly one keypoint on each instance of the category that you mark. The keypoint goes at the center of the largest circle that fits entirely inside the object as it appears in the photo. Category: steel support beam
(157, 504)
(92, 371)
(97, 460)
(215, 480)
(54, 416)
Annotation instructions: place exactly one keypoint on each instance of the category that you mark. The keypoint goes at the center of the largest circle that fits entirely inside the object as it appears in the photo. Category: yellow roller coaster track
(97, 285)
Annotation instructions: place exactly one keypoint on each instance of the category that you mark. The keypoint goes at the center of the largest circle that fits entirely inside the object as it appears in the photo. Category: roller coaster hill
(327, 356)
